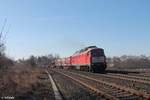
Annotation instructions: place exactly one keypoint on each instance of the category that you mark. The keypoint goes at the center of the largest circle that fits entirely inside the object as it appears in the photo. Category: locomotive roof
(85, 49)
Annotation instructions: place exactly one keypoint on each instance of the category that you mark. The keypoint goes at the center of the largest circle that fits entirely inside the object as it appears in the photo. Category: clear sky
(41, 27)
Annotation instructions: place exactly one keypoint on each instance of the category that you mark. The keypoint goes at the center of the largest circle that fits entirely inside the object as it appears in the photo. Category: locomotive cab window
(97, 52)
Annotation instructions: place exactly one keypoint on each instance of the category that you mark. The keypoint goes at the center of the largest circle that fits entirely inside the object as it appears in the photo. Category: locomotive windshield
(97, 52)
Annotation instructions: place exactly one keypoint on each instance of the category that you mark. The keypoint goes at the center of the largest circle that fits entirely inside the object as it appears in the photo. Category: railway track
(109, 91)
(139, 85)
(72, 90)
(133, 77)
(147, 75)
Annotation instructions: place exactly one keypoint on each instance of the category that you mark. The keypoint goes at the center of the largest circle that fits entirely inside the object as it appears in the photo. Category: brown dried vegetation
(18, 80)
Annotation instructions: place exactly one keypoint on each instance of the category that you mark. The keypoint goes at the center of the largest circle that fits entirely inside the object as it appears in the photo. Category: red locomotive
(88, 59)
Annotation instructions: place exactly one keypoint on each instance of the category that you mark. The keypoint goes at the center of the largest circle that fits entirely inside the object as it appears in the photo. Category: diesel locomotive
(90, 59)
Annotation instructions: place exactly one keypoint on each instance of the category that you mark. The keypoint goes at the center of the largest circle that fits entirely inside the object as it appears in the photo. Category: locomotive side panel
(81, 61)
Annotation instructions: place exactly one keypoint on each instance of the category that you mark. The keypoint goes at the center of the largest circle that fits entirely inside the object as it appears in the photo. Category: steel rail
(145, 80)
(133, 91)
(99, 92)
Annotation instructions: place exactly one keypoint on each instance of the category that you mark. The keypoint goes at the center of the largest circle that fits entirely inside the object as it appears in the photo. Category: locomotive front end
(98, 60)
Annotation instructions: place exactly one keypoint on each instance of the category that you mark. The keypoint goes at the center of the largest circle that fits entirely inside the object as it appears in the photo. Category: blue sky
(41, 27)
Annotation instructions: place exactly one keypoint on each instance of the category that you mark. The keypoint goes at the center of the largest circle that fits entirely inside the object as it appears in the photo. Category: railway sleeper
(117, 92)
(130, 98)
(118, 95)
(135, 98)
(109, 89)
(125, 95)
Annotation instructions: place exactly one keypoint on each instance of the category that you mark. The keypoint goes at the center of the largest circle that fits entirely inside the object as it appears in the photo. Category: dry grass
(18, 80)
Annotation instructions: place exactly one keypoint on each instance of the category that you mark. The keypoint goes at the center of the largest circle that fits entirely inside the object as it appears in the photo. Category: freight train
(90, 59)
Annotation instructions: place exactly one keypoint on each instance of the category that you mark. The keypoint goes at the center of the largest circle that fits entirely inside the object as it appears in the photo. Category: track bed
(72, 90)
(102, 87)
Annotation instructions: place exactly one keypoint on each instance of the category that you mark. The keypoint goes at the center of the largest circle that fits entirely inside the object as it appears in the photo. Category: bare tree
(40, 61)
(2, 46)
(129, 62)
(32, 61)
(4, 61)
